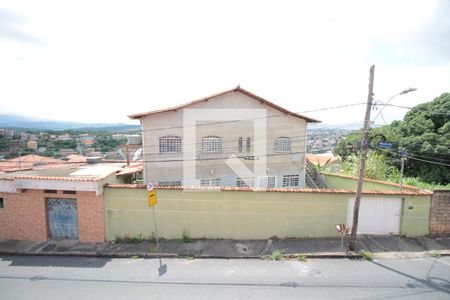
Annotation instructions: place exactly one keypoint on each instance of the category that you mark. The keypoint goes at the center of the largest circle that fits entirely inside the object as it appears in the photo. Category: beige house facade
(232, 124)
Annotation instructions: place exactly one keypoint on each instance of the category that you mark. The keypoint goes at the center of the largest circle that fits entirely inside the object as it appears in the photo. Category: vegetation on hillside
(423, 135)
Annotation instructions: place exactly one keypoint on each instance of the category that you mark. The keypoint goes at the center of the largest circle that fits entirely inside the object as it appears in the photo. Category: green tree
(424, 133)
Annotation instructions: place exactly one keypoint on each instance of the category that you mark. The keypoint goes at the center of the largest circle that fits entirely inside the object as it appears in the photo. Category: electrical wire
(250, 119)
(413, 158)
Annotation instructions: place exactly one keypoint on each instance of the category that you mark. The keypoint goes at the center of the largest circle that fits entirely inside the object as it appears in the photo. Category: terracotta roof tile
(131, 169)
(28, 162)
(321, 159)
(283, 190)
(76, 158)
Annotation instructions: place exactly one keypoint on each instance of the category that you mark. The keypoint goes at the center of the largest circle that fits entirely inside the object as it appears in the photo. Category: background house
(56, 203)
(215, 141)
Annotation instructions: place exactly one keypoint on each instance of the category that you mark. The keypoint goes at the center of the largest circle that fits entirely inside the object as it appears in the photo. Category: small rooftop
(69, 173)
(27, 162)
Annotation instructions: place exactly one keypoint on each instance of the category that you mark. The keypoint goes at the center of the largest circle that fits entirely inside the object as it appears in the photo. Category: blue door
(63, 218)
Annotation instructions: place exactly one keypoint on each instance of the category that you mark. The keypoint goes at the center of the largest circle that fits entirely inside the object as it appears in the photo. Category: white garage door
(376, 215)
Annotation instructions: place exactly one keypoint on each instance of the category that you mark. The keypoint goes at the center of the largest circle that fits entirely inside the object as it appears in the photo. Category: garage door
(376, 215)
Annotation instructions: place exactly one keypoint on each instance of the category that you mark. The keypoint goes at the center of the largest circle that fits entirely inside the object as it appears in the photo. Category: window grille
(266, 182)
(245, 182)
(283, 144)
(212, 144)
(290, 180)
(210, 182)
(169, 183)
(168, 144)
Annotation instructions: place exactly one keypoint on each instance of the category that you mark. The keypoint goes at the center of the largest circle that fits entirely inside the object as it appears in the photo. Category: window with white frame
(283, 144)
(212, 144)
(169, 183)
(290, 180)
(266, 181)
(245, 182)
(210, 182)
(169, 144)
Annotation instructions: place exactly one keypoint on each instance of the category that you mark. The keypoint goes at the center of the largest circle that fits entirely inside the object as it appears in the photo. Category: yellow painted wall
(237, 214)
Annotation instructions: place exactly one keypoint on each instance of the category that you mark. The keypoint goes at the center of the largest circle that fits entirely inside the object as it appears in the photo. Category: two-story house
(233, 138)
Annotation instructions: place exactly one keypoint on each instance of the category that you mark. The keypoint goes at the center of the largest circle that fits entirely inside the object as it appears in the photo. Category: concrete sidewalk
(380, 246)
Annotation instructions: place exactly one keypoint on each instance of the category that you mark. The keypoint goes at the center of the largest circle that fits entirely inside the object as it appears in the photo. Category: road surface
(34, 277)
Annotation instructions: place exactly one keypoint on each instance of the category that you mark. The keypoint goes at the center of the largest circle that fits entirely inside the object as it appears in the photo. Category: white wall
(172, 122)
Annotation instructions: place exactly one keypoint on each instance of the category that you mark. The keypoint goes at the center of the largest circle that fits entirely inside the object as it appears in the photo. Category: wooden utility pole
(362, 166)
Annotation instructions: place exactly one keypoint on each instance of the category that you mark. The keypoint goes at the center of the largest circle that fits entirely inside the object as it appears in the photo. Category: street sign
(151, 197)
(385, 145)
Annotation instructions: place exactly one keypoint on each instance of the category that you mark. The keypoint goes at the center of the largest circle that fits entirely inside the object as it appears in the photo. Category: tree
(424, 134)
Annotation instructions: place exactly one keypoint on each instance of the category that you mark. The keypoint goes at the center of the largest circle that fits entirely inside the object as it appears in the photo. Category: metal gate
(377, 215)
(63, 218)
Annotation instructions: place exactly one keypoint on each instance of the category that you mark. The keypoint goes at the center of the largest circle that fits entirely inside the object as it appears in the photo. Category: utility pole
(403, 158)
(365, 138)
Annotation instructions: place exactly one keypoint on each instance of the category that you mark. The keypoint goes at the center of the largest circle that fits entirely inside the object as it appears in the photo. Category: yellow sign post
(151, 197)
(152, 200)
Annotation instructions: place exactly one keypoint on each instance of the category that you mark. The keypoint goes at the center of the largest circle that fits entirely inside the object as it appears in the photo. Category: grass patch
(185, 237)
(302, 258)
(366, 255)
(155, 249)
(135, 257)
(276, 255)
(130, 240)
(136, 239)
(190, 255)
(435, 255)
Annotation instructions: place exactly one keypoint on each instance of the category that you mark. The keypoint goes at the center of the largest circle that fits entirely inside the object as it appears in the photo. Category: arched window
(283, 144)
(212, 144)
(169, 143)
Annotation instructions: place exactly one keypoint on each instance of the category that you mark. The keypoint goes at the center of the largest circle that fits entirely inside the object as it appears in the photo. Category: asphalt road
(27, 277)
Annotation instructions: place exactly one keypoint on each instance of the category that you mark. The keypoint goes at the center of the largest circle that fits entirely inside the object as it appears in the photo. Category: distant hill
(15, 121)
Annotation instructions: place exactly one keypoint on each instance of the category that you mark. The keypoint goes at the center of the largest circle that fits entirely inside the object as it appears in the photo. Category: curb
(318, 255)
(175, 255)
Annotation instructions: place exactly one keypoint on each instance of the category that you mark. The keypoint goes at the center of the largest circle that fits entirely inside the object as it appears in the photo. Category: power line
(414, 158)
(254, 141)
(245, 157)
(250, 119)
(432, 112)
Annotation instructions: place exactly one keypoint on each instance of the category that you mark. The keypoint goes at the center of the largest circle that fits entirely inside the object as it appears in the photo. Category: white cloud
(103, 60)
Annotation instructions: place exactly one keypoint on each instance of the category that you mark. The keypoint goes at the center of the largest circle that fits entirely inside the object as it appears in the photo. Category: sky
(98, 61)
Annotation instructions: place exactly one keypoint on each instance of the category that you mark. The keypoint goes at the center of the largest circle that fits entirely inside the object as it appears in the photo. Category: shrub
(276, 255)
(366, 255)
